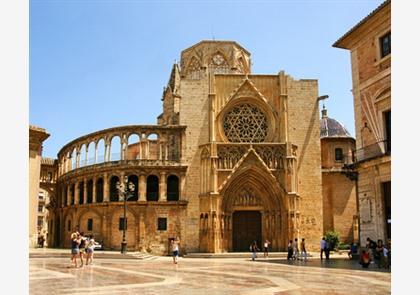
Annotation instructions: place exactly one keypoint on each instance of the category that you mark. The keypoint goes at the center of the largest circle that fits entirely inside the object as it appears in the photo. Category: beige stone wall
(339, 199)
(303, 130)
(194, 114)
(34, 172)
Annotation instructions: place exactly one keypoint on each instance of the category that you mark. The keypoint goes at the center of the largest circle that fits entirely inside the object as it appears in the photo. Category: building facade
(369, 43)
(338, 187)
(235, 157)
(36, 137)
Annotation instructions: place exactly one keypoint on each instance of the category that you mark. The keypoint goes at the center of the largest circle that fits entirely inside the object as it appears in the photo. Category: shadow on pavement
(331, 263)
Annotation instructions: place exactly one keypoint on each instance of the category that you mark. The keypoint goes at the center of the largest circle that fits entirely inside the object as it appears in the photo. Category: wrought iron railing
(371, 151)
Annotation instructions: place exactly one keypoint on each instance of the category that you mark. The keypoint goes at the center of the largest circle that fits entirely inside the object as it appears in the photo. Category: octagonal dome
(331, 127)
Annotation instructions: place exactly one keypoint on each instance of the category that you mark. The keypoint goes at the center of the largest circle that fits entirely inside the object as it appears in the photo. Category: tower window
(339, 155)
(90, 224)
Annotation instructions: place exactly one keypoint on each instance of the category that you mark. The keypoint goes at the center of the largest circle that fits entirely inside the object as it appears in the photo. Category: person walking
(303, 249)
(254, 248)
(295, 249)
(289, 250)
(327, 249)
(175, 249)
(371, 246)
(82, 247)
(323, 246)
(379, 254)
(75, 241)
(90, 247)
(266, 245)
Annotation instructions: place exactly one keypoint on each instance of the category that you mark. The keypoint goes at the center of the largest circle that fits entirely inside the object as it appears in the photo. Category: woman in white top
(89, 249)
(266, 244)
(175, 249)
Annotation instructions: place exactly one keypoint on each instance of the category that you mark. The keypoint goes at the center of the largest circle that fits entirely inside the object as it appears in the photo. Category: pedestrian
(327, 250)
(379, 254)
(303, 249)
(371, 246)
(364, 259)
(323, 246)
(82, 247)
(75, 241)
(254, 248)
(175, 249)
(386, 253)
(266, 244)
(90, 247)
(289, 250)
(295, 249)
(353, 250)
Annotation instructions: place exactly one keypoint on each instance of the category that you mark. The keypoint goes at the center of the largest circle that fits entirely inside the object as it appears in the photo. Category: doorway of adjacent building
(386, 192)
(246, 229)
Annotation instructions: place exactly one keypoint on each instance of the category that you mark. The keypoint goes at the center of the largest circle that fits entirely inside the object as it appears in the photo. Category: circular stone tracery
(245, 123)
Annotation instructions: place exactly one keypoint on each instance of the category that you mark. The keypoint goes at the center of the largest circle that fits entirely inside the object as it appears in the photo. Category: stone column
(142, 187)
(106, 187)
(95, 157)
(162, 187)
(76, 193)
(85, 190)
(182, 187)
(86, 154)
(122, 144)
(107, 151)
(77, 158)
(94, 190)
(68, 195)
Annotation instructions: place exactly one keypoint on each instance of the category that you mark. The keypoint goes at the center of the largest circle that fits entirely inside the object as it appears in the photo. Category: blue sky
(98, 64)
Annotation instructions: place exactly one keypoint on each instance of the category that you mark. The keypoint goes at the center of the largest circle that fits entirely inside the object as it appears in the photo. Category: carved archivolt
(247, 197)
(245, 123)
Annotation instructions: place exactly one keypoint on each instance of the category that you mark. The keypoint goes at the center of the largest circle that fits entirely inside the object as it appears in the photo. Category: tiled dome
(331, 127)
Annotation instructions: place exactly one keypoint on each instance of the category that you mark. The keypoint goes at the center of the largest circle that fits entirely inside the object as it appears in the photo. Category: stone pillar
(106, 188)
(166, 151)
(160, 151)
(95, 157)
(76, 193)
(107, 151)
(94, 190)
(86, 154)
(182, 187)
(162, 187)
(68, 195)
(63, 195)
(77, 158)
(85, 190)
(142, 187)
(122, 144)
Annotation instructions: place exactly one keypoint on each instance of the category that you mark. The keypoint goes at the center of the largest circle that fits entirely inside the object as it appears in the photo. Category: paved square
(158, 275)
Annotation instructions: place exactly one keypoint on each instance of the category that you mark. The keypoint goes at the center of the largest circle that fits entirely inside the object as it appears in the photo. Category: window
(385, 42)
(339, 155)
(162, 223)
(90, 224)
(121, 225)
(40, 207)
(152, 188)
(172, 191)
(40, 221)
(69, 225)
(49, 176)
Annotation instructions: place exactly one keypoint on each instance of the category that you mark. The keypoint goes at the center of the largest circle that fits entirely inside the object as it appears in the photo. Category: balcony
(378, 149)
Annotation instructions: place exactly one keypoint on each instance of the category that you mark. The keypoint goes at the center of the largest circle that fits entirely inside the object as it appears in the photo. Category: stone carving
(247, 198)
(229, 156)
(271, 155)
(245, 123)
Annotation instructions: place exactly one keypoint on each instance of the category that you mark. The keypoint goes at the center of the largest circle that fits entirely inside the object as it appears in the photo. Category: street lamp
(125, 191)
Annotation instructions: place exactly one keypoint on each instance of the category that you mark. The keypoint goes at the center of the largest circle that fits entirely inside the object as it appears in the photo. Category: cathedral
(235, 157)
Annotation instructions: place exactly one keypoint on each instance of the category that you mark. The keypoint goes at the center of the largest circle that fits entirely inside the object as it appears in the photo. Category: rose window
(245, 123)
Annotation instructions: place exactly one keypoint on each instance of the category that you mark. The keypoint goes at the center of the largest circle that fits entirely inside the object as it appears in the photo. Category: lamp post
(125, 191)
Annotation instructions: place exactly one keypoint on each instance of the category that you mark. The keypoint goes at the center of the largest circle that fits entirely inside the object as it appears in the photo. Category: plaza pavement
(113, 273)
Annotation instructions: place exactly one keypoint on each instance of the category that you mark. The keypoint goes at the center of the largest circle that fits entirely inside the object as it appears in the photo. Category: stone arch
(133, 146)
(266, 197)
(193, 70)
(132, 227)
(115, 147)
(100, 150)
(172, 192)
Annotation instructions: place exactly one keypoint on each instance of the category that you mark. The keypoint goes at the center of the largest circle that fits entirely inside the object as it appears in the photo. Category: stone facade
(369, 43)
(235, 157)
(338, 187)
(36, 137)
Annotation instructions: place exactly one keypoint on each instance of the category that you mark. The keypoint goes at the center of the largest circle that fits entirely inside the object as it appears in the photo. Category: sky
(99, 64)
